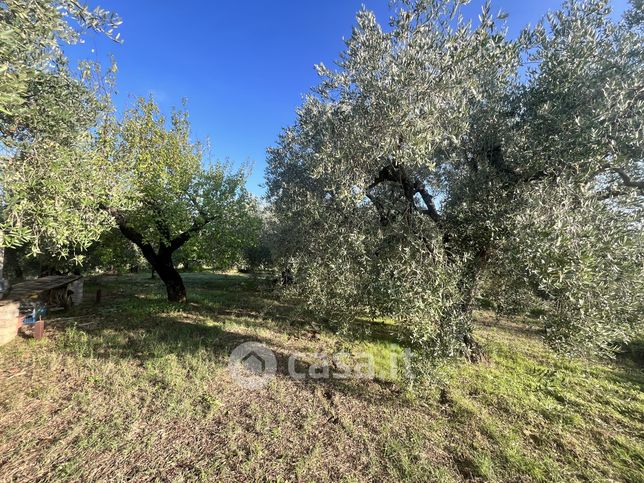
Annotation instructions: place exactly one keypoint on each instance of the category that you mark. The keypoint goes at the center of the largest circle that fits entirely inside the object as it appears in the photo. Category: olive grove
(441, 151)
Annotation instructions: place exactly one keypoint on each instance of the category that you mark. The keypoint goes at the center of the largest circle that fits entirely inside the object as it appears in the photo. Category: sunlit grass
(139, 386)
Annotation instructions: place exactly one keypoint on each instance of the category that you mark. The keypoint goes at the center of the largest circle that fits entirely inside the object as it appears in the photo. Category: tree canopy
(71, 171)
(164, 195)
(440, 150)
(47, 112)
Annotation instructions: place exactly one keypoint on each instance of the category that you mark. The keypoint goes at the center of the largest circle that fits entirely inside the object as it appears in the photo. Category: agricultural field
(138, 388)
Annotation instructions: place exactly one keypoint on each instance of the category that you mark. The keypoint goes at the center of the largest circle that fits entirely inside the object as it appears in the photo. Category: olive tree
(47, 113)
(163, 194)
(440, 150)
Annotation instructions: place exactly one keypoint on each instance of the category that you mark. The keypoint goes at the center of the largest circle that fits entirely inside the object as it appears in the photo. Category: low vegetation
(138, 388)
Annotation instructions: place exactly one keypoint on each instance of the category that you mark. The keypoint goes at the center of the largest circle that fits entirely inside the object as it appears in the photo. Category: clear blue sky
(243, 65)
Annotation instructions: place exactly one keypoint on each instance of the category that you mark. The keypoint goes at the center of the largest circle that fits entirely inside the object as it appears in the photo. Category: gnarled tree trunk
(170, 277)
(161, 259)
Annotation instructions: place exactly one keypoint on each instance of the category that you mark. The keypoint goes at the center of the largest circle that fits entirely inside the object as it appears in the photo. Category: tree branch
(131, 234)
(399, 176)
(627, 180)
(428, 199)
(181, 239)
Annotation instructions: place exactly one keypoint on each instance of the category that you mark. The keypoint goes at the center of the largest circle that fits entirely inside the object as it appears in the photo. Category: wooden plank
(32, 288)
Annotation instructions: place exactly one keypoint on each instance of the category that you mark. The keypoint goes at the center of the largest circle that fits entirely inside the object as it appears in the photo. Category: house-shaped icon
(254, 363)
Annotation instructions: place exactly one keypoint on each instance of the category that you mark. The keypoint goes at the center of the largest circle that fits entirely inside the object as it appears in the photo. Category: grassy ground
(137, 388)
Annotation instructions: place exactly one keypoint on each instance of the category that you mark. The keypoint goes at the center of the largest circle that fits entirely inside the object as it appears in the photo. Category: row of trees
(71, 170)
(439, 157)
(441, 153)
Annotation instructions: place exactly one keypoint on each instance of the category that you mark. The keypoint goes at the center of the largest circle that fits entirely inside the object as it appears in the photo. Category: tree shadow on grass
(150, 330)
(139, 324)
(242, 298)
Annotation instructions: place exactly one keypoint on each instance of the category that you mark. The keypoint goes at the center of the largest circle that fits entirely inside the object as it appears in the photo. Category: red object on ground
(39, 329)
